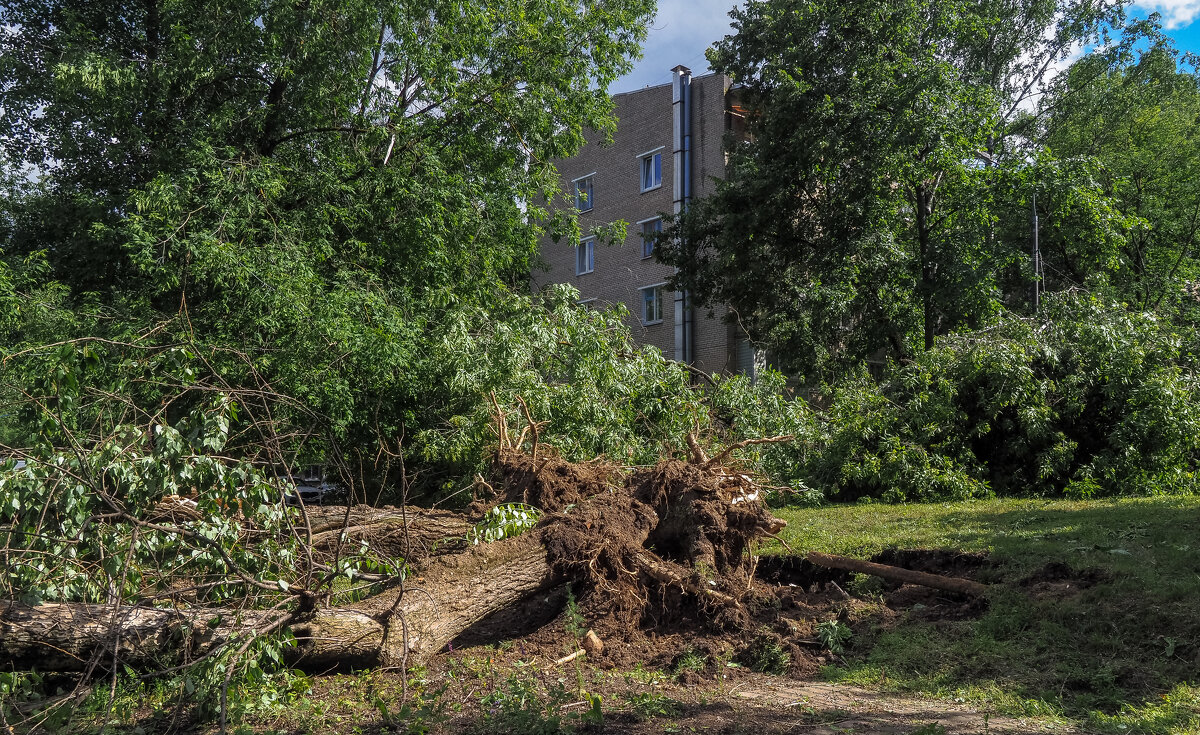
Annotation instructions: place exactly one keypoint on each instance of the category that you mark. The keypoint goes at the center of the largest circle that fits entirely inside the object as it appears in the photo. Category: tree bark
(397, 532)
(907, 576)
(429, 612)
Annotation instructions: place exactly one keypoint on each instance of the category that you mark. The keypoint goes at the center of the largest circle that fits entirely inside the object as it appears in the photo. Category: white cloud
(1175, 13)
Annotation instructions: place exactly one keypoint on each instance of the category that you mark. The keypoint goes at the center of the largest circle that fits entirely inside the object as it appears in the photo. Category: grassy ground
(1108, 644)
(1123, 654)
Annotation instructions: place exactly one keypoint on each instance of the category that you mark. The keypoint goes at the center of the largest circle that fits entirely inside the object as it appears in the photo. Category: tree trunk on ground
(396, 532)
(451, 596)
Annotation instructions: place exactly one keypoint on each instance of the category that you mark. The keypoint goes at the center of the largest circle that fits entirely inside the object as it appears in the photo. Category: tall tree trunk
(925, 284)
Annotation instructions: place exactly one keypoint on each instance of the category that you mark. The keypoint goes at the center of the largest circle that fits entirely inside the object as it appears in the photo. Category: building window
(650, 231)
(651, 170)
(583, 192)
(652, 306)
(585, 256)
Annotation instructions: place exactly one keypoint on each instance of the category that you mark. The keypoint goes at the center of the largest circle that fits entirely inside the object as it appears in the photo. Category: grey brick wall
(620, 271)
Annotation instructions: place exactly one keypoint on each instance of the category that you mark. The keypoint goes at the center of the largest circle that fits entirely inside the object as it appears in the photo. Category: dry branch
(727, 453)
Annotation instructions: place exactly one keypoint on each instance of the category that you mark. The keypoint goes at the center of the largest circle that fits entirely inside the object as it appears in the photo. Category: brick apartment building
(667, 149)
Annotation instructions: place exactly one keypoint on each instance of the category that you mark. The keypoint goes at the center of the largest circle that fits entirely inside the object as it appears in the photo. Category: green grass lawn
(1121, 656)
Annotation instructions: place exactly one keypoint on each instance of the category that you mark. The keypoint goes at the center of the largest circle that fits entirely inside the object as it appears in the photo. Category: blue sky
(685, 28)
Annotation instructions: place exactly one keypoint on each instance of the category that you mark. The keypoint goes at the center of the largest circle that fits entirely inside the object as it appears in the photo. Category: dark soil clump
(946, 562)
(660, 548)
(1057, 579)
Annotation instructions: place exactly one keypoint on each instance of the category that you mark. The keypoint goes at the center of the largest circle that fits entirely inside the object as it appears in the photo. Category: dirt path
(861, 710)
(762, 705)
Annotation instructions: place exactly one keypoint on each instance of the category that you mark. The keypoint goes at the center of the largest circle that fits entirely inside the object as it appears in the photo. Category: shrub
(1089, 399)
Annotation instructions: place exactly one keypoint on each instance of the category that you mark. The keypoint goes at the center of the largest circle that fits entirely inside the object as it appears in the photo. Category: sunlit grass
(1122, 655)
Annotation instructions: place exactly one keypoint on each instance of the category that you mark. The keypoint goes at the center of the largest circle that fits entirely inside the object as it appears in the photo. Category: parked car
(311, 487)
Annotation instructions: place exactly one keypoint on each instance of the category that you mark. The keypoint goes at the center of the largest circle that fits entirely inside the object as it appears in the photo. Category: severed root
(896, 574)
(663, 573)
(569, 657)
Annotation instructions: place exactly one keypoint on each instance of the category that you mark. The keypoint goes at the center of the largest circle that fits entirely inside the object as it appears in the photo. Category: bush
(578, 370)
(1090, 399)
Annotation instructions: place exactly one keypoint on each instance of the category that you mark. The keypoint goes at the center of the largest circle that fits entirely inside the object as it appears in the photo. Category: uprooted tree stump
(659, 543)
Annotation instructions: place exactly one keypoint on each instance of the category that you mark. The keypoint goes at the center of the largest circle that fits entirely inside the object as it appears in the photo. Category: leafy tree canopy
(1133, 124)
(302, 191)
(881, 198)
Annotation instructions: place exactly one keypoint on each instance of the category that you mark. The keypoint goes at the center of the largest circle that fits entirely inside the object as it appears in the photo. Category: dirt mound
(550, 483)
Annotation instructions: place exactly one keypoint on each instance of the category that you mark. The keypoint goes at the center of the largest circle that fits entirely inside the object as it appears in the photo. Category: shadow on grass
(1097, 604)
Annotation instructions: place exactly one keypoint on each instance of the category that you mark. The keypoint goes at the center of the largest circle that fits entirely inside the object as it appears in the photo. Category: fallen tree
(666, 542)
(412, 621)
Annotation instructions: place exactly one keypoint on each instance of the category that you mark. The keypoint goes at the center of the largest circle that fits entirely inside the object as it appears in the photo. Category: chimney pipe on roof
(681, 125)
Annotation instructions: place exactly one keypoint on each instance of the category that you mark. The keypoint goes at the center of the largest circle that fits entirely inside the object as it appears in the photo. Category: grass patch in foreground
(1122, 654)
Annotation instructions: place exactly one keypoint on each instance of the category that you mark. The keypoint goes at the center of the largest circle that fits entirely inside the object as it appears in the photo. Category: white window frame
(588, 244)
(650, 157)
(642, 224)
(590, 201)
(642, 293)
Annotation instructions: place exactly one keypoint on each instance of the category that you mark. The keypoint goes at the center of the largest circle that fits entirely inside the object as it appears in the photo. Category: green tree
(888, 142)
(301, 191)
(1132, 121)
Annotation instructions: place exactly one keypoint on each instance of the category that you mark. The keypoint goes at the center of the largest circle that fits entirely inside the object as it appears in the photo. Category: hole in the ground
(798, 571)
(946, 562)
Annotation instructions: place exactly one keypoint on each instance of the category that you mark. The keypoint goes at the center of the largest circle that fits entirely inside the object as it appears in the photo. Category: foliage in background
(1132, 126)
(304, 194)
(882, 196)
(578, 370)
(1090, 399)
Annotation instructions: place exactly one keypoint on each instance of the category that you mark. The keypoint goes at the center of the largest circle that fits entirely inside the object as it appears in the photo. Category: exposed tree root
(896, 574)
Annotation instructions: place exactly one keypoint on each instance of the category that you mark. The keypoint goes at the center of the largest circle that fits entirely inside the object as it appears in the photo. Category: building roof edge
(664, 84)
